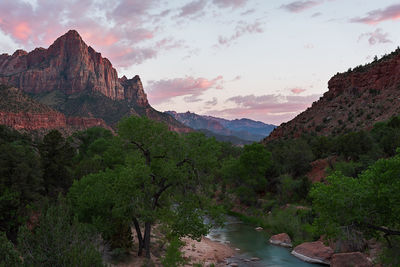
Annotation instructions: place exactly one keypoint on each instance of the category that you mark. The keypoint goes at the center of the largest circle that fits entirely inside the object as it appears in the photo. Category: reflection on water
(254, 244)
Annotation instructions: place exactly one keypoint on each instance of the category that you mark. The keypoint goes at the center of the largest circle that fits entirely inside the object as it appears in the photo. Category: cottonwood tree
(166, 179)
(369, 203)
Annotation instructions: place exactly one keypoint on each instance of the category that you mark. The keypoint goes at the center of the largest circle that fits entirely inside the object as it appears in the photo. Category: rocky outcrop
(74, 79)
(68, 65)
(356, 100)
(282, 239)
(314, 252)
(82, 123)
(133, 91)
(33, 121)
(353, 259)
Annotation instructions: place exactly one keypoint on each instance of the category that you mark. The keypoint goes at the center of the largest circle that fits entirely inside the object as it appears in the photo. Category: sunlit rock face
(74, 79)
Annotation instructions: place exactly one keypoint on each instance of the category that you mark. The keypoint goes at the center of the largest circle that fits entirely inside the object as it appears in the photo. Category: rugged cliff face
(72, 78)
(19, 111)
(356, 100)
(68, 65)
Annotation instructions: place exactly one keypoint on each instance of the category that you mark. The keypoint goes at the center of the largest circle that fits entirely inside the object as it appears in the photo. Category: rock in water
(282, 239)
(313, 252)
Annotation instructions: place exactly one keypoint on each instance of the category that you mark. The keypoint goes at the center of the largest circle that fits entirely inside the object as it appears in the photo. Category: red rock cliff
(68, 65)
(356, 100)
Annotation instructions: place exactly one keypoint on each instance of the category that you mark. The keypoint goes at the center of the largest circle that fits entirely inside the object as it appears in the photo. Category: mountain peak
(72, 34)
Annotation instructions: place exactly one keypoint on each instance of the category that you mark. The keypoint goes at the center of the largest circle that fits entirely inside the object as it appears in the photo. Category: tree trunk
(139, 236)
(147, 230)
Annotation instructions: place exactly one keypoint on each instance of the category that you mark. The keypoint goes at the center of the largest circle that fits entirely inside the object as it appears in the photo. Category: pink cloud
(376, 16)
(375, 37)
(230, 3)
(242, 28)
(299, 6)
(189, 87)
(297, 90)
(126, 25)
(192, 8)
(22, 31)
(268, 108)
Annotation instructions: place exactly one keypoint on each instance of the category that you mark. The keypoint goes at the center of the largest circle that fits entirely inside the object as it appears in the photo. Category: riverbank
(206, 252)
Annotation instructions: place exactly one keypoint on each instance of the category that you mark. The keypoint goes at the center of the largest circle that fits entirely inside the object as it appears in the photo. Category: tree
(165, 178)
(248, 172)
(20, 184)
(59, 240)
(369, 203)
(57, 157)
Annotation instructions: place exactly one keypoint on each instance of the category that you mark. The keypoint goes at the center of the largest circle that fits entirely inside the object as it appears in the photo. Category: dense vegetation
(83, 194)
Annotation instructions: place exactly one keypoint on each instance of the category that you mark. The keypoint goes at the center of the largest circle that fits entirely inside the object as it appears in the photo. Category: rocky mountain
(74, 79)
(356, 100)
(244, 129)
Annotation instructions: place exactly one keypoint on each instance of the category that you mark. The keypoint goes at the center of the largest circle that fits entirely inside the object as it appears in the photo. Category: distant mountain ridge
(356, 100)
(74, 79)
(245, 129)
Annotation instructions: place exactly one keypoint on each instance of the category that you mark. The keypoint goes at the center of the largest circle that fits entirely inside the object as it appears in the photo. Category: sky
(266, 60)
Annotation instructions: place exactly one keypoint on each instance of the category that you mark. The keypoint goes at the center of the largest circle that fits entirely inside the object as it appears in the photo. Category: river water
(252, 243)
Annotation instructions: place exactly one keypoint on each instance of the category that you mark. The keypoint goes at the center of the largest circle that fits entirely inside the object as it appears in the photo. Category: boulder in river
(282, 239)
(314, 252)
(352, 259)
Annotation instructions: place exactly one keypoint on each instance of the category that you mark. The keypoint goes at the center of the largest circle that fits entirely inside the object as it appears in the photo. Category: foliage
(369, 203)
(56, 154)
(173, 256)
(58, 240)
(295, 222)
(164, 177)
(104, 200)
(247, 174)
(9, 257)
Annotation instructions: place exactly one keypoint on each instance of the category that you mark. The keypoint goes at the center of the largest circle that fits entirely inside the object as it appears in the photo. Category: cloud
(125, 31)
(300, 6)
(189, 87)
(317, 14)
(212, 102)
(192, 8)
(268, 108)
(297, 90)
(378, 15)
(308, 46)
(242, 28)
(230, 3)
(248, 12)
(375, 37)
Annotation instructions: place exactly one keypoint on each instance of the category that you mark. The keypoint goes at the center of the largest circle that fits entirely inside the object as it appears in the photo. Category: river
(252, 243)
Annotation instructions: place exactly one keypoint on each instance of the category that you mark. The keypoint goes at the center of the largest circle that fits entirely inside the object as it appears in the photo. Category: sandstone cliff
(19, 111)
(71, 77)
(356, 100)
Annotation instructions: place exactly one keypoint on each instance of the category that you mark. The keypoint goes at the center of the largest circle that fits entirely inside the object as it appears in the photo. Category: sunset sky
(267, 60)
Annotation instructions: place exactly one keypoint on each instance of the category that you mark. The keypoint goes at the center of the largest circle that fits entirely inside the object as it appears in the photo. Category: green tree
(57, 159)
(58, 240)
(165, 178)
(247, 174)
(8, 254)
(20, 184)
(369, 203)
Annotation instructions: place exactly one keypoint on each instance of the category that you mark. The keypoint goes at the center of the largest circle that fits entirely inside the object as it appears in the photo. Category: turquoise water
(253, 243)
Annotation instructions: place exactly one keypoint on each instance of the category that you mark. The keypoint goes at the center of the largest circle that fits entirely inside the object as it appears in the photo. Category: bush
(8, 255)
(295, 222)
(173, 256)
(58, 241)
